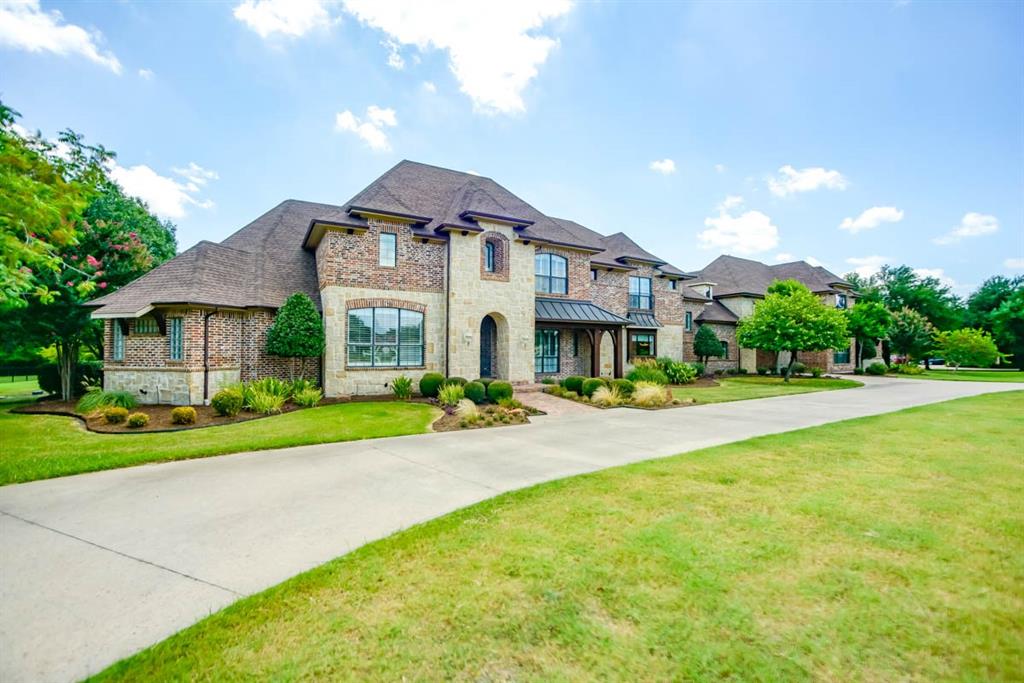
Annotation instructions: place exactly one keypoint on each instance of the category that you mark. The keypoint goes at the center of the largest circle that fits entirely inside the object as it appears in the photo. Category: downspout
(206, 354)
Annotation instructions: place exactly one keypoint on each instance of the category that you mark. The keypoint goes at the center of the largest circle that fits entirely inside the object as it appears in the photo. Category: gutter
(206, 354)
(447, 302)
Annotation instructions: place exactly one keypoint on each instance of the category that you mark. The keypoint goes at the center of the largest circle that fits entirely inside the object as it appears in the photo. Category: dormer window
(593, 273)
(673, 284)
(840, 301)
(708, 292)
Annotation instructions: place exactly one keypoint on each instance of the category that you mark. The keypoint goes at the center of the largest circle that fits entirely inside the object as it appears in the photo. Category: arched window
(552, 273)
(489, 257)
(385, 337)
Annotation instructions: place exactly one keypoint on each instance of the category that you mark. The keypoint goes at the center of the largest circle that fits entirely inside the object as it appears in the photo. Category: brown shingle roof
(715, 312)
(733, 276)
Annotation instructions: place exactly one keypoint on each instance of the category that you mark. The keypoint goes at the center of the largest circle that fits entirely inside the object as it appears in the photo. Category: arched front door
(488, 346)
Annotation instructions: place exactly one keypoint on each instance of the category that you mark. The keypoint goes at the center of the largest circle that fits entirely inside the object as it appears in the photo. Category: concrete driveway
(97, 566)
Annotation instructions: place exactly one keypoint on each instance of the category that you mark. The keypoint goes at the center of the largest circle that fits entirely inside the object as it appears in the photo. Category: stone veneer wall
(340, 380)
(510, 303)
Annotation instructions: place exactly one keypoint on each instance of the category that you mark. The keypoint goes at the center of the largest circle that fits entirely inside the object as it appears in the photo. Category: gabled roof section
(621, 248)
(735, 276)
(715, 312)
(261, 265)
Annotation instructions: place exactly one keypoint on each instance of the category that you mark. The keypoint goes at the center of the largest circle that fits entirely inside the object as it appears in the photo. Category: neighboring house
(734, 285)
(426, 270)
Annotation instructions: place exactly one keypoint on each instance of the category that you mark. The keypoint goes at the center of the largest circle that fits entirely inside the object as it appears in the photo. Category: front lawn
(44, 446)
(882, 548)
(969, 375)
(18, 390)
(741, 387)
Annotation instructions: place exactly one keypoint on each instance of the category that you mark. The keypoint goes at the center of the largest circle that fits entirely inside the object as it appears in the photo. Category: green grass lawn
(969, 375)
(738, 388)
(882, 548)
(18, 390)
(44, 446)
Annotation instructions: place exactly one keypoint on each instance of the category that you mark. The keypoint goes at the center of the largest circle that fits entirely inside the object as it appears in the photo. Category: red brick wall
(352, 260)
(695, 308)
(257, 363)
(578, 272)
(611, 291)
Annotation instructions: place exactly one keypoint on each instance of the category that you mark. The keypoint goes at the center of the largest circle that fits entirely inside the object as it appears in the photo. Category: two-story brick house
(426, 270)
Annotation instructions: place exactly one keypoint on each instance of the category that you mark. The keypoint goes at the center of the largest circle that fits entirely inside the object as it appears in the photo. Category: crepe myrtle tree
(706, 344)
(967, 346)
(911, 334)
(868, 322)
(791, 318)
(297, 331)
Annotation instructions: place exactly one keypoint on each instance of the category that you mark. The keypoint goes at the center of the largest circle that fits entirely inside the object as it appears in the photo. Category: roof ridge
(441, 168)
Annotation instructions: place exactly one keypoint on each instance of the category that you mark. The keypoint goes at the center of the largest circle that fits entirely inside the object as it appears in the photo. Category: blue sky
(851, 134)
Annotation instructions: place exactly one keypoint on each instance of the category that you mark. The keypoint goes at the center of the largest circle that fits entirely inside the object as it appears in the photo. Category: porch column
(619, 350)
(595, 352)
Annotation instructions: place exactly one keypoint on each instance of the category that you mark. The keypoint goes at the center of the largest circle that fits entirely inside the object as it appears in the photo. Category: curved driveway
(97, 566)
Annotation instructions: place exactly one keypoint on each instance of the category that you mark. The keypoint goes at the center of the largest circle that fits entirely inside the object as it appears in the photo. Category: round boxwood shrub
(486, 381)
(499, 390)
(227, 402)
(136, 420)
(430, 383)
(573, 383)
(591, 385)
(183, 415)
(461, 381)
(475, 392)
(624, 386)
(875, 369)
(115, 415)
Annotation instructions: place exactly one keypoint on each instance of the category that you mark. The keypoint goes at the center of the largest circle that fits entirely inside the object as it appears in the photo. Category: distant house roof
(715, 312)
(261, 265)
(736, 276)
(572, 311)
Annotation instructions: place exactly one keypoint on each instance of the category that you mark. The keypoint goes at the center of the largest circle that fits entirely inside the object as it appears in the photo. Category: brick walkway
(552, 405)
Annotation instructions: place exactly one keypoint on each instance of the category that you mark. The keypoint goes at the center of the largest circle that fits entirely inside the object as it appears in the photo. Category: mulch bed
(450, 422)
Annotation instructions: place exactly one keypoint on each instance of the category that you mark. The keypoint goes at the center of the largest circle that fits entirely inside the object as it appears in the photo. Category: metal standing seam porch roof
(572, 311)
(643, 320)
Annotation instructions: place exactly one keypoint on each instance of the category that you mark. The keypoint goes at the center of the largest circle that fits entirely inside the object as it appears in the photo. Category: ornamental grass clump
(450, 395)
(95, 400)
(228, 402)
(467, 410)
(401, 386)
(650, 395)
(646, 370)
(183, 415)
(607, 397)
(308, 397)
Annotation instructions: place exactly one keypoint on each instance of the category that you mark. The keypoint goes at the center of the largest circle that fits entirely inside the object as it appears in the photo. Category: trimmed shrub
(402, 387)
(798, 368)
(460, 381)
(573, 383)
(907, 369)
(548, 380)
(183, 415)
(680, 373)
(858, 371)
(762, 371)
(607, 397)
(227, 402)
(136, 420)
(510, 404)
(308, 397)
(816, 373)
(486, 381)
(742, 371)
(475, 392)
(499, 390)
(450, 394)
(591, 385)
(115, 415)
(698, 368)
(650, 395)
(876, 369)
(430, 383)
(624, 387)
(264, 403)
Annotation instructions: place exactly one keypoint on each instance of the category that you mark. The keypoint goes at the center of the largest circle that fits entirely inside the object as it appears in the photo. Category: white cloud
(395, 60)
(25, 26)
(872, 218)
(784, 257)
(292, 18)
(720, 168)
(866, 266)
(166, 197)
(146, 74)
(747, 233)
(371, 130)
(937, 273)
(664, 166)
(971, 225)
(1014, 263)
(429, 86)
(790, 180)
(494, 49)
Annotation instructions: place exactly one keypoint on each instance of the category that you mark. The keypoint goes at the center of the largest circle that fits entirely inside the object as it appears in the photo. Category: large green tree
(967, 346)
(1008, 327)
(911, 334)
(986, 300)
(868, 322)
(791, 318)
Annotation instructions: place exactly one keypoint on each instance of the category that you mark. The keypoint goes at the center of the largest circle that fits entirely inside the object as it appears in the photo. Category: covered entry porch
(576, 322)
